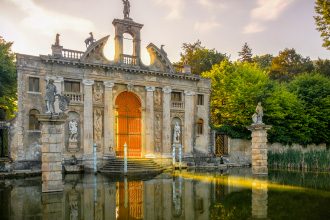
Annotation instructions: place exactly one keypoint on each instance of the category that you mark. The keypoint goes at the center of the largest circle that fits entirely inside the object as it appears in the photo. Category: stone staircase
(135, 166)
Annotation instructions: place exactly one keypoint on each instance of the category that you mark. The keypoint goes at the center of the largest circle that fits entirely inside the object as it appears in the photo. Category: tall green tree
(322, 67)
(199, 58)
(264, 61)
(245, 55)
(8, 86)
(322, 20)
(289, 64)
(236, 89)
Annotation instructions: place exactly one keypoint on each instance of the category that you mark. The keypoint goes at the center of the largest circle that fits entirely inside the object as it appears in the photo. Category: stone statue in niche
(176, 133)
(50, 97)
(127, 8)
(98, 93)
(257, 116)
(73, 129)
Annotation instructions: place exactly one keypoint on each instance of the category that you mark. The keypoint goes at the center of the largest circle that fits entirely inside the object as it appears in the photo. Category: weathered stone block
(51, 167)
(51, 157)
(52, 186)
(51, 176)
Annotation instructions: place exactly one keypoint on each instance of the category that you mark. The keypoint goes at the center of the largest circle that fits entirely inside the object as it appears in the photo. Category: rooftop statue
(257, 116)
(90, 40)
(57, 40)
(127, 8)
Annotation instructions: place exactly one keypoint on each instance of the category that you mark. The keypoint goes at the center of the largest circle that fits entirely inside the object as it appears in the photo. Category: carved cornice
(88, 82)
(167, 89)
(150, 88)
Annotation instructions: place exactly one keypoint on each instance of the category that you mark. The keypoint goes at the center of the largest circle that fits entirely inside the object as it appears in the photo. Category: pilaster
(88, 122)
(108, 119)
(189, 122)
(166, 121)
(150, 121)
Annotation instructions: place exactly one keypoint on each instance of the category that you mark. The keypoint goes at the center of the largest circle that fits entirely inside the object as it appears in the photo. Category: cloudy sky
(268, 26)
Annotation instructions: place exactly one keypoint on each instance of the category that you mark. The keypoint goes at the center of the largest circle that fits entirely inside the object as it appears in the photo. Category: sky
(268, 26)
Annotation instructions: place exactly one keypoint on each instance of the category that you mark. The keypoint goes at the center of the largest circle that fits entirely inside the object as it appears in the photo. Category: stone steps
(135, 166)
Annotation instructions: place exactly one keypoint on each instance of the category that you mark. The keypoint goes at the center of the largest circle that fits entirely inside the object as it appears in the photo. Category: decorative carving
(257, 116)
(158, 98)
(98, 92)
(150, 88)
(176, 133)
(189, 93)
(98, 127)
(167, 89)
(109, 84)
(73, 130)
(130, 87)
(158, 132)
(127, 8)
(88, 82)
(50, 97)
(89, 40)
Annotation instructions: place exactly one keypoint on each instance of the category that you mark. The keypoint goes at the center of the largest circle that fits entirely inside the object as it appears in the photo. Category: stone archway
(128, 124)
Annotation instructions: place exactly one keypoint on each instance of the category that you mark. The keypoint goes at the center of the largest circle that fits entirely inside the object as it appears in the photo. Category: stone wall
(239, 151)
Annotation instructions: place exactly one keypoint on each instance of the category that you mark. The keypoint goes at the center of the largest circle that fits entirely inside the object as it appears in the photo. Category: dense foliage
(322, 20)
(7, 79)
(199, 58)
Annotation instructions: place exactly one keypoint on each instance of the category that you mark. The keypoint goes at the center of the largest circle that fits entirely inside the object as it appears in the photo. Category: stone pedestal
(52, 138)
(259, 148)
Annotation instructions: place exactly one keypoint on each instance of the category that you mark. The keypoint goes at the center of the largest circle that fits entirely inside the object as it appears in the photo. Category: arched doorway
(128, 124)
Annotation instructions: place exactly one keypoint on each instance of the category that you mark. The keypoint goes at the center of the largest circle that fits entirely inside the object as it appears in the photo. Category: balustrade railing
(177, 105)
(72, 54)
(74, 97)
(129, 60)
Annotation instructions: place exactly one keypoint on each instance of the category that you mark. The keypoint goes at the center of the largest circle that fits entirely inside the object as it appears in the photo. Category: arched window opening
(127, 44)
(33, 121)
(200, 124)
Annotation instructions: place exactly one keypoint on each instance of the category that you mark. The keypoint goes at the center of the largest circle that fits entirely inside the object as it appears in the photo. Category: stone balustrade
(129, 60)
(177, 105)
(75, 98)
(72, 54)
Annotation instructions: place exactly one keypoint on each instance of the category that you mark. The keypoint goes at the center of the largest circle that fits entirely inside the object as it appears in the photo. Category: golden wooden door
(128, 124)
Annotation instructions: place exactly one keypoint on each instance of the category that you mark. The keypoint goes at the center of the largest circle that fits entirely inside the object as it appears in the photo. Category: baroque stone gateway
(111, 102)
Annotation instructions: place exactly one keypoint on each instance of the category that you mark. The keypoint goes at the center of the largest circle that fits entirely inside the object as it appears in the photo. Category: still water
(181, 195)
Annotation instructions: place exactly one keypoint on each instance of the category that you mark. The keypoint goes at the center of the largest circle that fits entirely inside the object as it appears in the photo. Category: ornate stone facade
(94, 86)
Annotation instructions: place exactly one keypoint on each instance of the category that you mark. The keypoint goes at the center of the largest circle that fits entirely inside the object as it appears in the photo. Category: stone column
(88, 123)
(259, 199)
(188, 122)
(52, 205)
(52, 138)
(166, 121)
(150, 121)
(108, 120)
(259, 148)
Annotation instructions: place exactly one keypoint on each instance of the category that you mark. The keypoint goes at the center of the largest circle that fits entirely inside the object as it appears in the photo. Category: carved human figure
(57, 40)
(176, 133)
(50, 96)
(98, 124)
(127, 8)
(257, 116)
(73, 128)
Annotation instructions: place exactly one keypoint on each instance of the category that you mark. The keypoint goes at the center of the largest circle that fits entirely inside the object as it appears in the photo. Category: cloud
(48, 22)
(266, 10)
(175, 7)
(206, 26)
(211, 4)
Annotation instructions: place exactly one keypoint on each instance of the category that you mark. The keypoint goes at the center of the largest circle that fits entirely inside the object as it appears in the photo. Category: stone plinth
(52, 138)
(259, 148)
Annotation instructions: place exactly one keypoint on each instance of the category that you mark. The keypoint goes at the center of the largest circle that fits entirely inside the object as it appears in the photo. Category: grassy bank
(298, 160)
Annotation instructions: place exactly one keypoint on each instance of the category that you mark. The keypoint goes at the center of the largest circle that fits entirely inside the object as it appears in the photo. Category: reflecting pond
(180, 195)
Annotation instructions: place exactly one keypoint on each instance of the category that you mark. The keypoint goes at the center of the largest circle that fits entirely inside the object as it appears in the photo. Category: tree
(236, 90)
(199, 58)
(322, 67)
(7, 79)
(288, 64)
(322, 20)
(263, 61)
(245, 54)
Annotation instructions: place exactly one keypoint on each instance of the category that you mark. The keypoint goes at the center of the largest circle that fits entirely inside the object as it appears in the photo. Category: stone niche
(73, 132)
